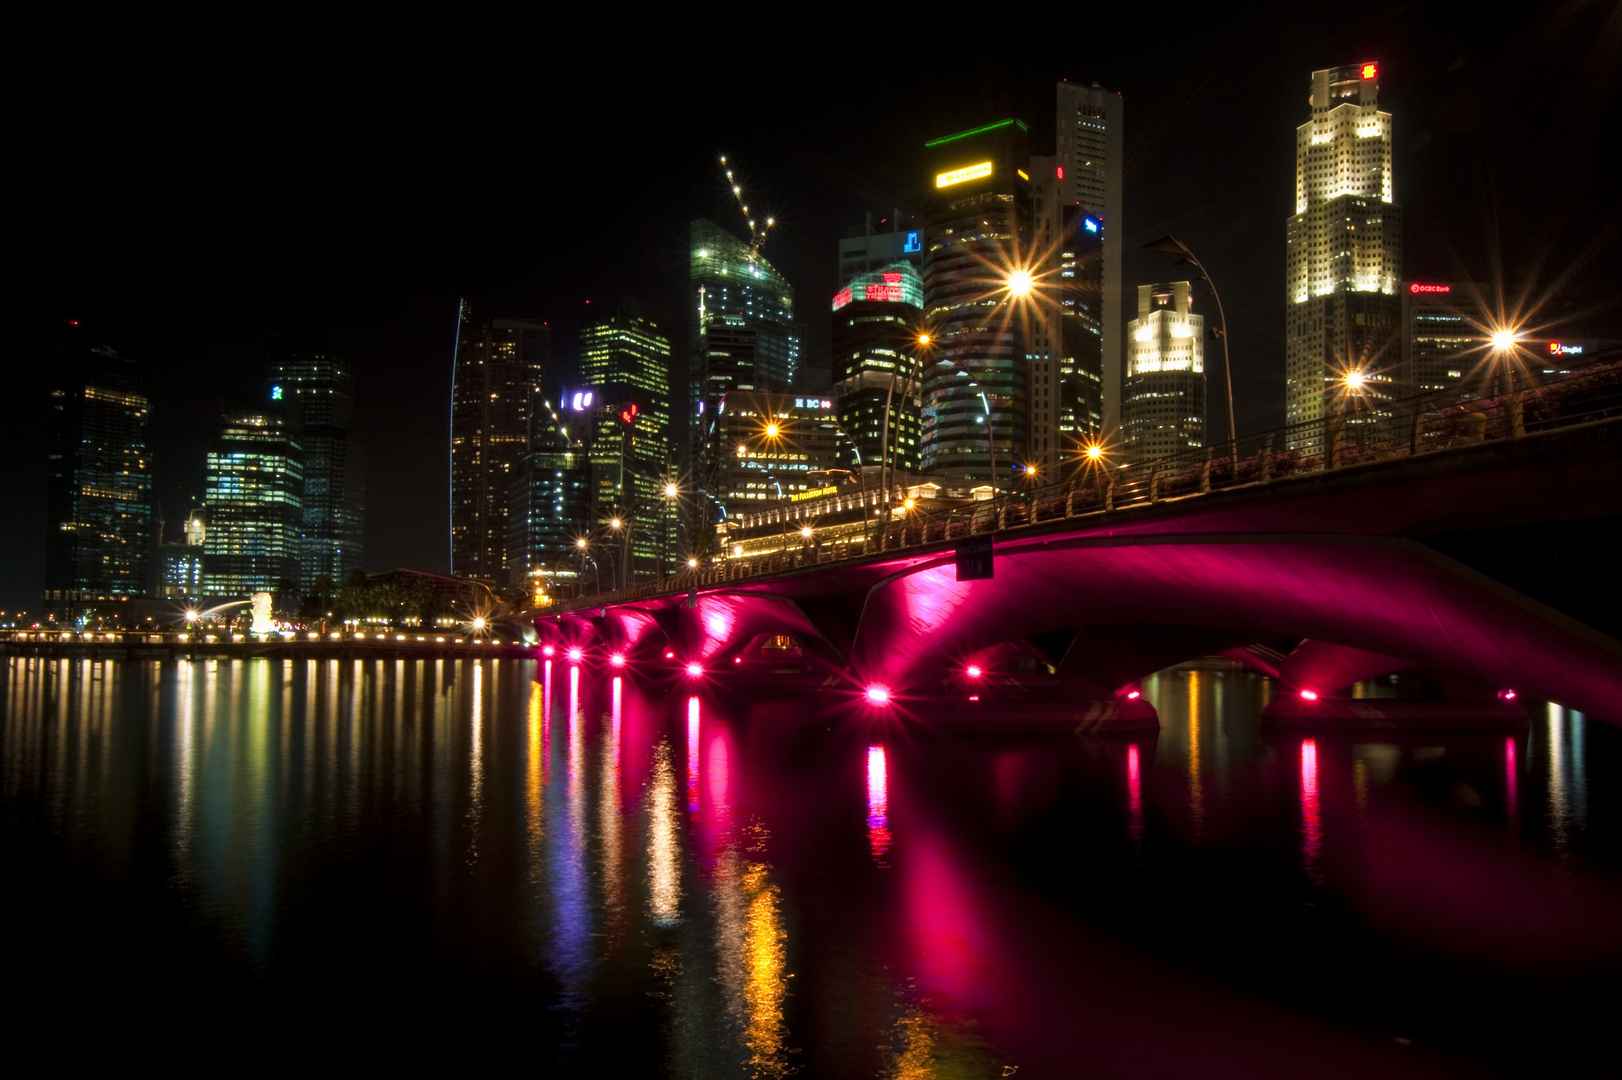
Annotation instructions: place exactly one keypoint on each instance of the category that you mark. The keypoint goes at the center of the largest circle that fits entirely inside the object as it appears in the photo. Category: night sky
(186, 203)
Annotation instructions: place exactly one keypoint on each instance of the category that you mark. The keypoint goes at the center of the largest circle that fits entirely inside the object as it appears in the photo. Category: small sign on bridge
(974, 559)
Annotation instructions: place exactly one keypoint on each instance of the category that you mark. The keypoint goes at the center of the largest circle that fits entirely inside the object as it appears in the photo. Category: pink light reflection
(1309, 695)
(878, 695)
(1134, 797)
(1312, 836)
(692, 755)
(1512, 799)
(878, 806)
(952, 946)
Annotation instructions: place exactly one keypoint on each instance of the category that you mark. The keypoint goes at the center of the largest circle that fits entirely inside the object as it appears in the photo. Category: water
(428, 860)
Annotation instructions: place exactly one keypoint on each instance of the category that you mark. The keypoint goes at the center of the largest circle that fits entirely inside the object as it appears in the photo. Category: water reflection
(697, 887)
(1312, 835)
(878, 807)
(664, 840)
(1134, 802)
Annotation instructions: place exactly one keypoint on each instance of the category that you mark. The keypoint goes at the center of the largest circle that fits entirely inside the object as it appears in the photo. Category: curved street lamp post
(1175, 246)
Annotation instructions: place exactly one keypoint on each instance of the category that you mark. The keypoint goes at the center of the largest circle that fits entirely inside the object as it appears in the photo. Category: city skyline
(395, 327)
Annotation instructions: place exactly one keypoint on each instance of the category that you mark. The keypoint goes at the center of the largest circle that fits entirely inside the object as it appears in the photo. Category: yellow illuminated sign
(1023, 175)
(968, 172)
(814, 493)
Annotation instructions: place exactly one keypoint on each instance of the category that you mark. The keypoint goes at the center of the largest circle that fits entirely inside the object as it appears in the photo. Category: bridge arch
(1392, 599)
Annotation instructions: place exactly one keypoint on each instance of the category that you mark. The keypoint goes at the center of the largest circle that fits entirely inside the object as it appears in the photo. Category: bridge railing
(1363, 429)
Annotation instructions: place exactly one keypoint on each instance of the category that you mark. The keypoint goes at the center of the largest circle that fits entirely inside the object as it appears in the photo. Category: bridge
(1468, 541)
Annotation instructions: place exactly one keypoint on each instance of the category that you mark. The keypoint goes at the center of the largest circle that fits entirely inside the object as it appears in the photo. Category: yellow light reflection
(534, 777)
(1196, 792)
(664, 840)
(765, 988)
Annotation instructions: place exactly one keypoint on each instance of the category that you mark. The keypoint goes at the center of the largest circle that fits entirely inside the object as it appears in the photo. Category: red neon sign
(884, 292)
(628, 416)
(1370, 71)
(841, 298)
(891, 277)
(1416, 287)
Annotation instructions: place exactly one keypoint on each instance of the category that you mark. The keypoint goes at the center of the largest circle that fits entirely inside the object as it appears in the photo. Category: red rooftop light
(1370, 71)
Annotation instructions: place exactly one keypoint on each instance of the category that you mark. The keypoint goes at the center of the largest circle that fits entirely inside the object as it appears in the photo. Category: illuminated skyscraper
(255, 502)
(499, 368)
(318, 393)
(550, 507)
(1164, 410)
(975, 409)
(1343, 252)
(744, 337)
(875, 330)
(625, 360)
(1091, 158)
(778, 446)
(1066, 346)
(98, 483)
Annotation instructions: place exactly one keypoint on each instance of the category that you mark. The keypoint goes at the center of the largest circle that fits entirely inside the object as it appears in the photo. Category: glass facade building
(777, 446)
(743, 336)
(255, 499)
(98, 482)
(876, 320)
(625, 360)
(550, 508)
(1091, 161)
(1445, 343)
(496, 385)
(975, 409)
(318, 394)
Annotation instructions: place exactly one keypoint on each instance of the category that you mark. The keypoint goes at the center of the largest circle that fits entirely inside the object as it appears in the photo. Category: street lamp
(1177, 247)
(672, 493)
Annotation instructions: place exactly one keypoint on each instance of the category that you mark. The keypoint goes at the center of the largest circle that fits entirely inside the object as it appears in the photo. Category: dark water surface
(482, 862)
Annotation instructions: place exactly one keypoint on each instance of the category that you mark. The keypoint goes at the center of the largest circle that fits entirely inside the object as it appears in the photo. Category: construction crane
(757, 234)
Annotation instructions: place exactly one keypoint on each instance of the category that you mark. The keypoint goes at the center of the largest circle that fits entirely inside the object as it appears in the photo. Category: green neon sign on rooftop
(977, 131)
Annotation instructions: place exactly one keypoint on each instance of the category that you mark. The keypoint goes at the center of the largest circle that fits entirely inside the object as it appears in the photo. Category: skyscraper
(777, 446)
(318, 393)
(495, 384)
(744, 337)
(549, 509)
(875, 347)
(1343, 248)
(1091, 151)
(1066, 347)
(98, 482)
(1164, 410)
(975, 407)
(625, 360)
(255, 499)
(1444, 342)
(875, 245)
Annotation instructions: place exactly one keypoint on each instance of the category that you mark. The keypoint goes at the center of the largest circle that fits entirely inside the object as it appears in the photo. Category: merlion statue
(261, 614)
